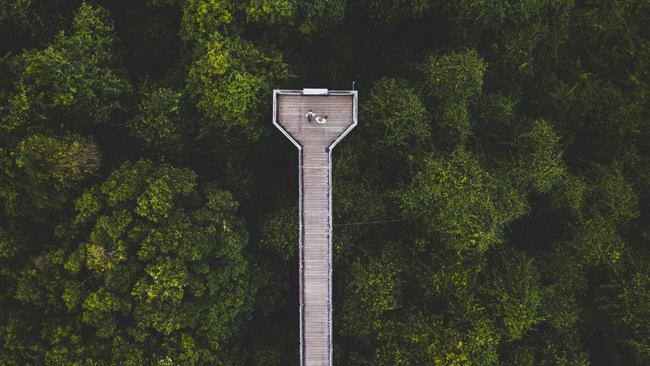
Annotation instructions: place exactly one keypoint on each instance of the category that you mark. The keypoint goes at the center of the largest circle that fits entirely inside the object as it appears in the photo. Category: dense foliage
(491, 208)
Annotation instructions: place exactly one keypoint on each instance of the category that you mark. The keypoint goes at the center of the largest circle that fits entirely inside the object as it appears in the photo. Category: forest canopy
(492, 207)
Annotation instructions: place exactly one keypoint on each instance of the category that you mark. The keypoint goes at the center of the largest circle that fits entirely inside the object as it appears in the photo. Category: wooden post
(315, 120)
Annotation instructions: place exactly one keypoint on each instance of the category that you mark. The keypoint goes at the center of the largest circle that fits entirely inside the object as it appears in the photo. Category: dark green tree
(157, 125)
(73, 83)
(462, 204)
(42, 172)
(450, 82)
(151, 269)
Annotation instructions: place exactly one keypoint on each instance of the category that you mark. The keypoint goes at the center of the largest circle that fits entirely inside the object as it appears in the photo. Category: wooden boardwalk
(315, 142)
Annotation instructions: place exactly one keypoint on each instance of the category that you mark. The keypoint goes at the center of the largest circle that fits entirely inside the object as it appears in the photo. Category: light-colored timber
(315, 142)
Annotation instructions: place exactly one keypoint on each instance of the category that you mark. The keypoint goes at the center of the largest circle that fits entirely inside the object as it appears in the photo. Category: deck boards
(315, 265)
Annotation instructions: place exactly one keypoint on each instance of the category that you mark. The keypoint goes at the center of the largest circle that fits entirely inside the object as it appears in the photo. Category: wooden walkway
(315, 142)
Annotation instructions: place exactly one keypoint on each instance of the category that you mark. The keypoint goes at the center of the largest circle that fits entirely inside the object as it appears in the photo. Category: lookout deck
(315, 120)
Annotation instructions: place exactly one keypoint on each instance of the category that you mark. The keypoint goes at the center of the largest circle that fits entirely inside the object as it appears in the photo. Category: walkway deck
(315, 142)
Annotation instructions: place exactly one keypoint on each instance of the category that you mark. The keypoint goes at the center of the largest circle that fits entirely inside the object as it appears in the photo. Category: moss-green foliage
(624, 299)
(450, 82)
(374, 294)
(279, 232)
(539, 162)
(201, 18)
(41, 172)
(157, 125)
(491, 207)
(149, 260)
(515, 286)
(204, 20)
(72, 82)
(396, 117)
(230, 76)
(461, 202)
(396, 11)
(229, 83)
